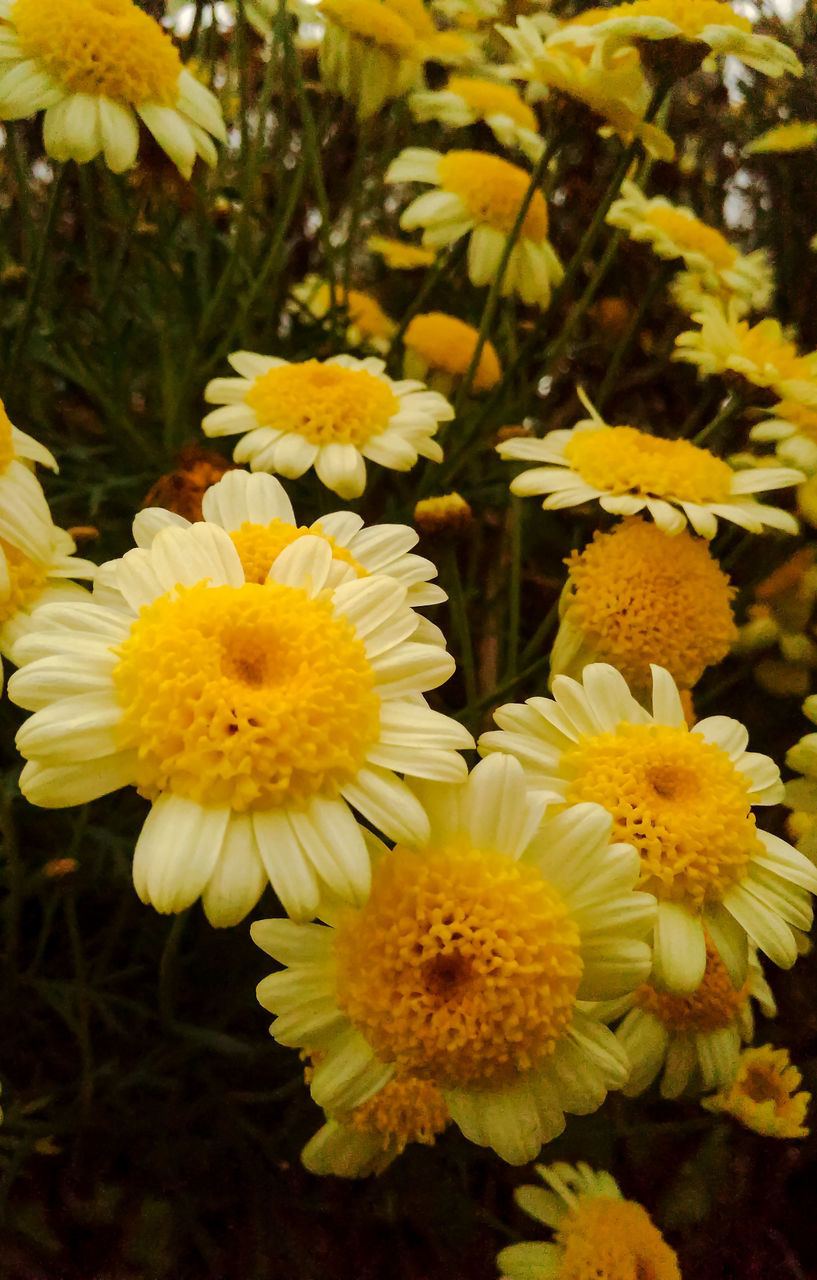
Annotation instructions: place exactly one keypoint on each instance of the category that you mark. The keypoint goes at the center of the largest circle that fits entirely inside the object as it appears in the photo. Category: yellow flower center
(764, 1094)
(713, 1006)
(801, 416)
(641, 596)
(371, 21)
(462, 967)
(492, 190)
(486, 98)
(678, 799)
(324, 403)
(446, 343)
(27, 580)
(608, 1239)
(405, 1110)
(448, 514)
(623, 460)
(259, 545)
(690, 15)
(775, 357)
(7, 453)
(107, 48)
(399, 254)
(692, 236)
(253, 697)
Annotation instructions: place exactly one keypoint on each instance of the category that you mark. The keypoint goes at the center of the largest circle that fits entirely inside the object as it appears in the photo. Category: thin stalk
(17, 155)
(473, 708)
(189, 48)
(432, 277)
(86, 1087)
(356, 184)
(557, 350)
(516, 516)
(657, 283)
(167, 970)
(36, 278)
(14, 886)
(541, 633)
(239, 44)
(459, 621)
(730, 407)
(91, 225)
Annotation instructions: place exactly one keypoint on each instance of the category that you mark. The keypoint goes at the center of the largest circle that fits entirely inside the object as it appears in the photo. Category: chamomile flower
(597, 1233)
(684, 798)
(628, 471)
(369, 53)
(694, 1040)
(467, 99)
(439, 350)
(479, 195)
(634, 596)
(369, 326)
(331, 414)
(254, 715)
(776, 632)
(25, 519)
(34, 583)
(794, 135)
(400, 255)
(792, 429)
(765, 1095)
(673, 231)
(97, 68)
(467, 964)
(761, 354)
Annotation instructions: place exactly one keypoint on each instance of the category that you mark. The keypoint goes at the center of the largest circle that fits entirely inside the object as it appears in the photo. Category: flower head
(31, 584)
(448, 516)
(635, 595)
(443, 346)
(683, 797)
(794, 135)
(255, 715)
(466, 964)
(329, 414)
(98, 67)
(597, 1232)
(370, 52)
(25, 520)
(480, 195)
(467, 99)
(400, 255)
(629, 470)
(368, 326)
(183, 489)
(793, 430)
(764, 1094)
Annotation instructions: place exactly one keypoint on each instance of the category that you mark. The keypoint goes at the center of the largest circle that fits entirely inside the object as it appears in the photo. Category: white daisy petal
(680, 948)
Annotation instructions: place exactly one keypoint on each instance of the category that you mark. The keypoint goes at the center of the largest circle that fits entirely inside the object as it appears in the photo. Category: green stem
(728, 410)
(91, 225)
(14, 886)
(542, 632)
(167, 969)
(189, 48)
(468, 712)
(36, 278)
(18, 157)
(86, 1086)
(657, 283)
(557, 350)
(459, 621)
(356, 185)
(516, 515)
(432, 277)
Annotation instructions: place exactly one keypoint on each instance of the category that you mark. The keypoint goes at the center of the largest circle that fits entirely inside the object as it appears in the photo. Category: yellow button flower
(442, 346)
(765, 1094)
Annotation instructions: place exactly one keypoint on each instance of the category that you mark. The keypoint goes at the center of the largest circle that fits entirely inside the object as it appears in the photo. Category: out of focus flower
(31, 584)
(98, 67)
(597, 1233)
(793, 429)
(479, 195)
(369, 326)
(331, 415)
(400, 255)
(765, 1096)
(466, 99)
(448, 516)
(439, 350)
(182, 490)
(795, 135)
(780, 618)
(369, 53)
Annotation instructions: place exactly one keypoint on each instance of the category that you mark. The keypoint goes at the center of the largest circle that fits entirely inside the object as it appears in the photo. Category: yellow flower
(628, 470)
(98, 67)
(443, 345)
(467, 99)
(597, 1232)
(480, 195)
(400, 255)
(618, 93)
(764, 1095)
(368, 323)
(447, 516)
(795, 135)
(781, 618)
(674, 232)
(369, 54)
(635, 596)
(793, 429)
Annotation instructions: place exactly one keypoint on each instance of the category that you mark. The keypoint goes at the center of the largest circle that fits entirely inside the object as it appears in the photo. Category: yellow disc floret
(677, 798)
(608, 1239)
(324, 403)
(641, 596)
(621, 460)
(764, 1096)
(462, 967)
(446, 343)
(775, 357)
(714, 1005)
(373, 22)
(487, 98)
(693, 236)
(259, 545)
(492, 190)
(252, 697)
(405, 1110)
(106, 48)
(26, 581)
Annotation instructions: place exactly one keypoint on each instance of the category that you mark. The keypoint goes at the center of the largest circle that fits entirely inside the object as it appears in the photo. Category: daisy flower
(792, 429)
(629, 471)
(617, 94)
(695, 1039)
(400, 255)
(596, 1231)
(442, 346)
(468, 963)
(692, 29)
(25, 519)
(369, 326)
(780, 619)
(467, 99)
(795, 135)
(448, 516)
(764, 1095)
(635, 595)
(761, 354)
(34, 583)
(479, 195)
(254, 715)
(330, 414)
(673, 231)
(97, 68)
(684, 798)
(369, 53)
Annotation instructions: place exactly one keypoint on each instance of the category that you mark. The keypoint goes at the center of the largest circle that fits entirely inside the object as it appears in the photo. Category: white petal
(176, 852)
(240, 496)
(57, 786)
(680, 949)
(239, 877)
(288, 867)
(389, 805)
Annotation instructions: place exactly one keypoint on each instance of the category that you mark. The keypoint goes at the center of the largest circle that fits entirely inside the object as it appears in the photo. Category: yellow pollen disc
(27, 580)
(405, 1110)
(607, 1239)
(801, 416)
(367, 313)
(623, 460)
(690, 15)
(446, 343)
(764, 1096)
(641, 596)
(7, 453)
(373, 22)
(678, 799)
(713, 1006)
(324, 403)
(253, 697)
(259, 545)
(776, 358)
(692, 236)
(462, 968)
(492, 190)
(106, 48)
(487, 98)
